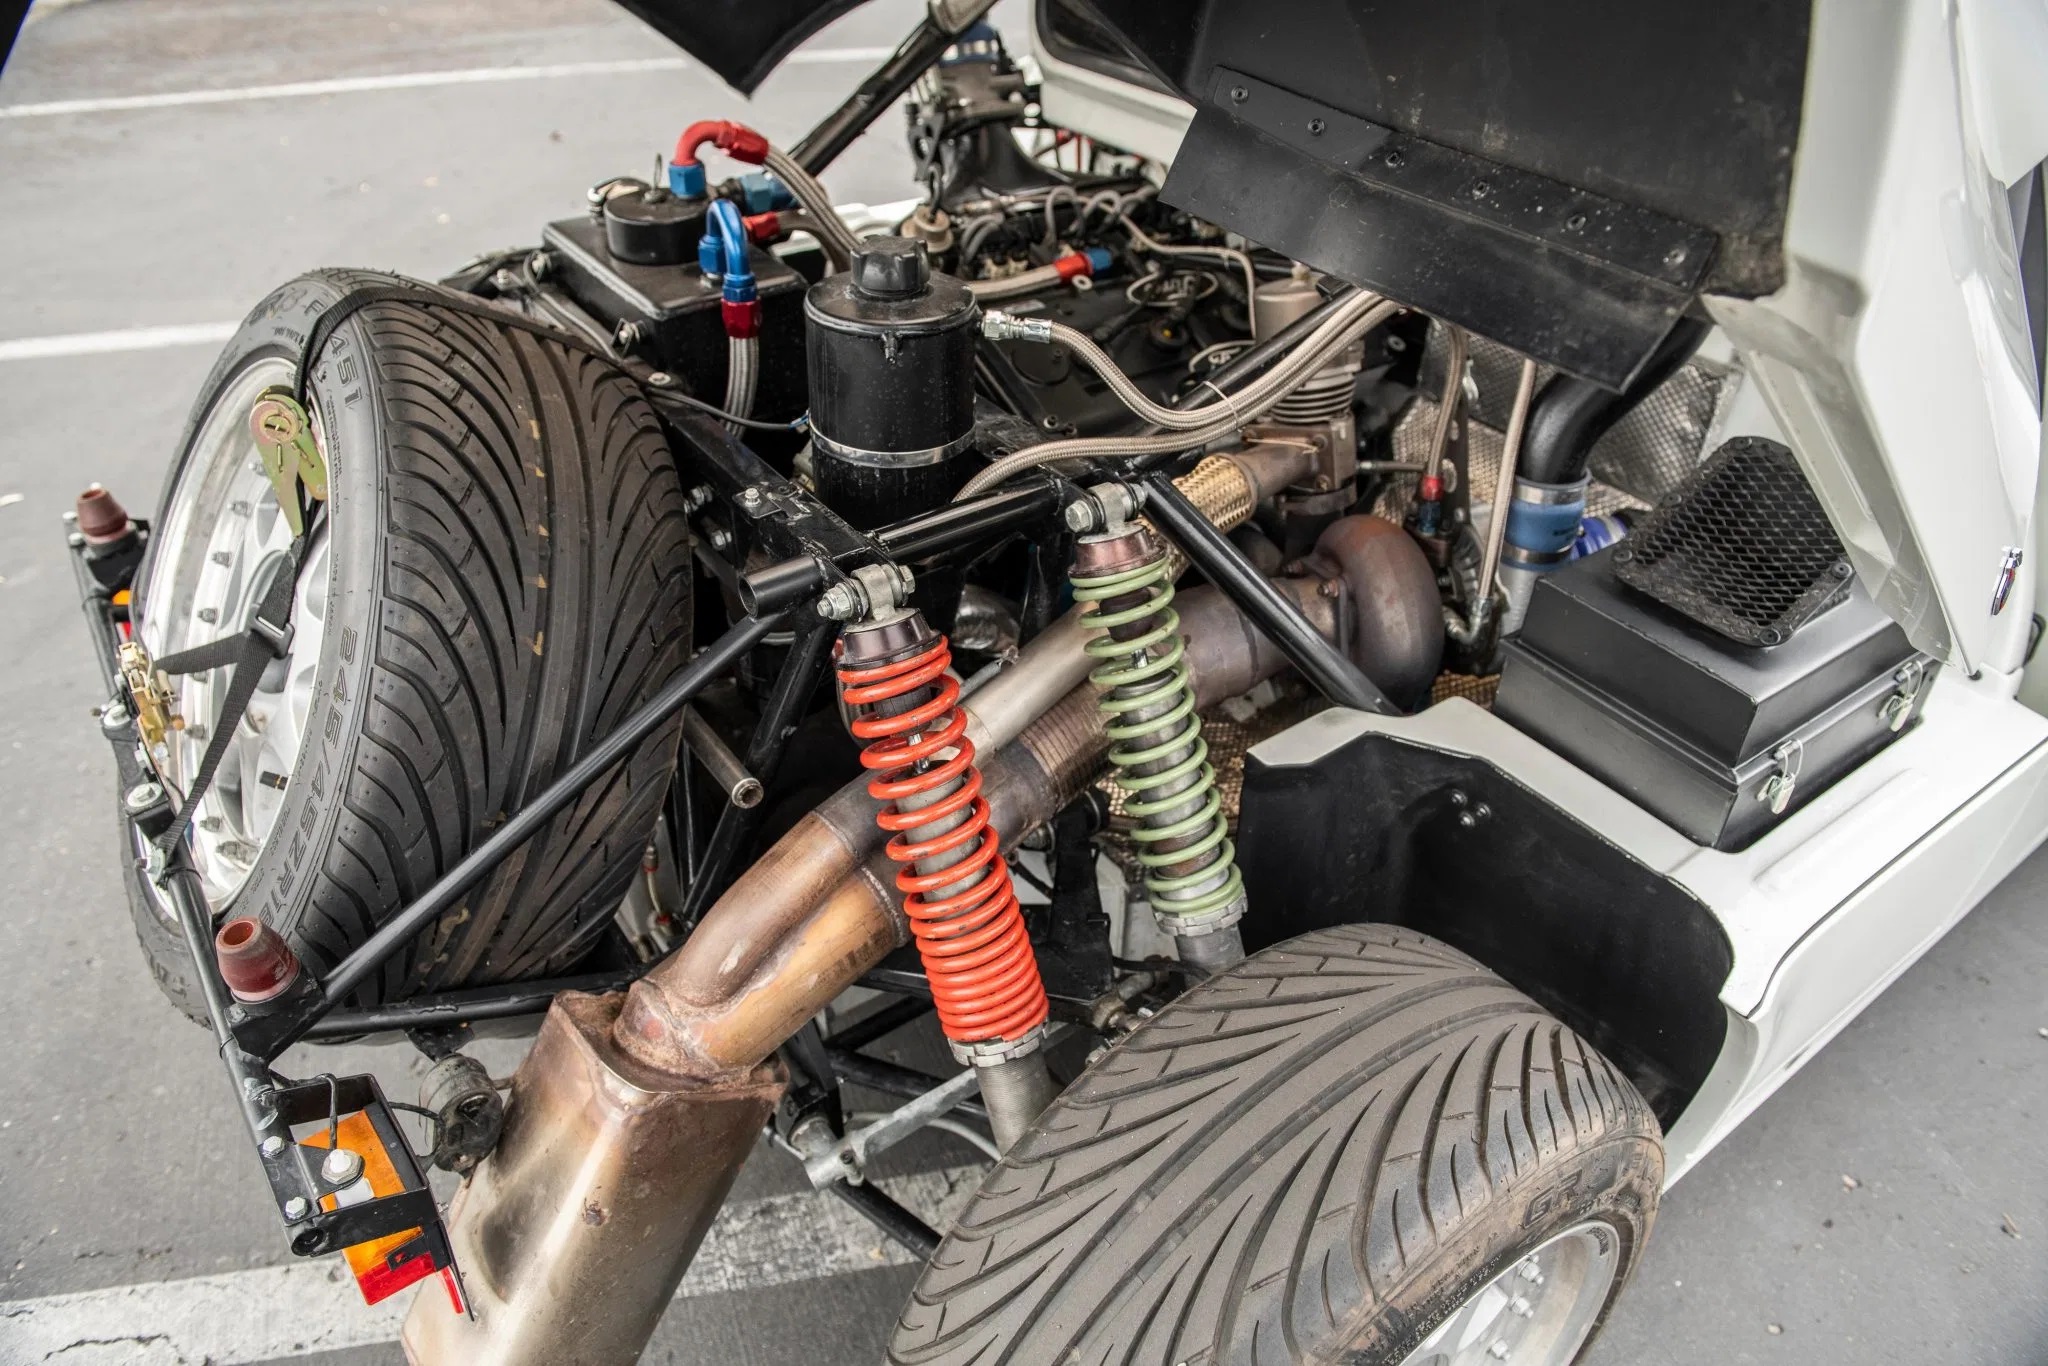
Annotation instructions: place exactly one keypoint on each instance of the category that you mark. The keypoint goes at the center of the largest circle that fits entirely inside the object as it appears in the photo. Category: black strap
(268, 636)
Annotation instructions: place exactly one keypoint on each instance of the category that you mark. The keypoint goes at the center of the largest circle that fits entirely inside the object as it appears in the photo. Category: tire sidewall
(1614, 1182)
(346, 405)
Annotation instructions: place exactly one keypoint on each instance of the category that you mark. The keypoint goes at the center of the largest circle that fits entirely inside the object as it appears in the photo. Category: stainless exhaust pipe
(633, 1113)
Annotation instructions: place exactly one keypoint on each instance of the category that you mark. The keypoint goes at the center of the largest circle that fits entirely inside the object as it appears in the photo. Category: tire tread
(1268, 1162)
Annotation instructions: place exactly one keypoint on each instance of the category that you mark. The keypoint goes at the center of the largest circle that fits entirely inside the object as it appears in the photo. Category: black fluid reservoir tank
(891, 359)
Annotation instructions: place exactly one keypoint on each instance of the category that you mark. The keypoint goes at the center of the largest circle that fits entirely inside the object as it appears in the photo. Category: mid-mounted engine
(724, 633)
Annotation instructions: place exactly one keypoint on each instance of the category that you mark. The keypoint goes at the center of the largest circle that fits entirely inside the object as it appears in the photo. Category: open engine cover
(1564, 178)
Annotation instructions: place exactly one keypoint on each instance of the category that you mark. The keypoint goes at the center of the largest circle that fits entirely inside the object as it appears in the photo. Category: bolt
(1841, 569)
(272, 1146)
(70, 517)
(1520, 1307)
(812, 1134)
(1394, 160)
(541, 265)
(750, 498)
(847, 1158)
(1316, 127)
(239, 508)
(1458, 798)
(697, 497)
(661, 379)
(720, 538)
(237, 1015)
(1468, 820)
(841, 602)
(1238, 94)
(141, 797)
(1481, 811)
(1080, 516)
(1576, 222)
(1329, 588)
(223, 558)
(1051, 423)
(297, 1208)
(627, 336)
(76, 540)
(1499, 1351)
(209, 615)
(114, 716)
(341, 1167)
(1675, 257)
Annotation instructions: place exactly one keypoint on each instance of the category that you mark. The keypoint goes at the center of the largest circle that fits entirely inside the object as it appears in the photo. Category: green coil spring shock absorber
(1157, 754)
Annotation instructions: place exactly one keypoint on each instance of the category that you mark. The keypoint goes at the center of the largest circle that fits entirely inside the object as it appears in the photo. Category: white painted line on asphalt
(407, 80)
(827, 56)
(312, 1306)
(125, 339)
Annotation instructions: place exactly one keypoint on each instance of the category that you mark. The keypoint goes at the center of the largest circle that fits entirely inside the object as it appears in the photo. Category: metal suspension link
(1157, 754)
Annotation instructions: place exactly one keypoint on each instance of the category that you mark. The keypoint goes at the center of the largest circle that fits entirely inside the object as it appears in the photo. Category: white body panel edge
(1823, 912)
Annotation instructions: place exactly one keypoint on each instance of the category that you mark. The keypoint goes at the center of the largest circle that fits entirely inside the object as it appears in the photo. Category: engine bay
(994, 534)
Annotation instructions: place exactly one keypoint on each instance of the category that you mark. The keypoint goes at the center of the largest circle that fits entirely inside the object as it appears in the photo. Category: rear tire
(508, 577)
(1321, 1155)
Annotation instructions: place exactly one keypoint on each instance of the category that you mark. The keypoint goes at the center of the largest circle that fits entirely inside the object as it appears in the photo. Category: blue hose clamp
(1543, 524)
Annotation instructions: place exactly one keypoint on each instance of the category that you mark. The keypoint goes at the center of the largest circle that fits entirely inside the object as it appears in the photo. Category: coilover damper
(963, 911)
(1157, 754)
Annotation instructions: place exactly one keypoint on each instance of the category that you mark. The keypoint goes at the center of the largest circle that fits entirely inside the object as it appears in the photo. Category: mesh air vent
(1741, 546)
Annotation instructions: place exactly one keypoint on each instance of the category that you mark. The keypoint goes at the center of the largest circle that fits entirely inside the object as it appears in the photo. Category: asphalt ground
(1889, 1205)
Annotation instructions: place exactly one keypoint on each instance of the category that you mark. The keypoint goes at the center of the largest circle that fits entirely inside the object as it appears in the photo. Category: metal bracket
(847, 1160)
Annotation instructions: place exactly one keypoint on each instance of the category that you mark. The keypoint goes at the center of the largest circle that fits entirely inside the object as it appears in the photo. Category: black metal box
(678, 313)
(1719, 740)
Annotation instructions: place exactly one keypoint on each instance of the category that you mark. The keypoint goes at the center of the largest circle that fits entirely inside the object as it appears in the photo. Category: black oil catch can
(890, 349)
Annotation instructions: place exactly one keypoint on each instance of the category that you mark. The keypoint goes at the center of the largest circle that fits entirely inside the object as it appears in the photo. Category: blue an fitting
(686, 181)
(1596, 534)
(1100, 259)
(729, 236)
(710, 256)
(1543, 524)
(763, 193)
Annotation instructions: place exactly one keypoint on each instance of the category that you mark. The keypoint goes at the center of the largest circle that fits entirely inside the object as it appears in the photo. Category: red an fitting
(736, 140)
(1073, 264)
(255, 962)
(764, 228)
(742, 320)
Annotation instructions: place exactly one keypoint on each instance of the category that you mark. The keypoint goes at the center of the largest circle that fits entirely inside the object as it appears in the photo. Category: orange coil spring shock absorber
(957, 893)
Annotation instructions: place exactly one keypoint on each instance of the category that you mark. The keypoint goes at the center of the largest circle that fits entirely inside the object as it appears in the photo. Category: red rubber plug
(101, 516)
(255, 962)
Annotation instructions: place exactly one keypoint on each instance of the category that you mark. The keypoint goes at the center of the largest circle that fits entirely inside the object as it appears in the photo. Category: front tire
(1340, 1150)
(503, 576)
